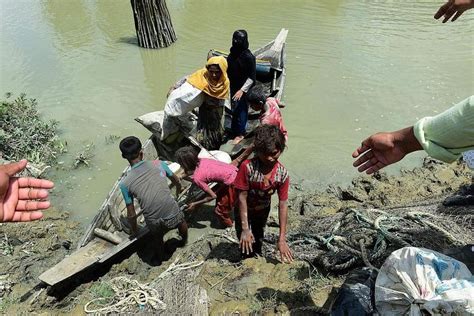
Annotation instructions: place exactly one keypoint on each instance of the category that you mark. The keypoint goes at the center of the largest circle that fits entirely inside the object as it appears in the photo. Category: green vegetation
(111, 139)
(101, 290)
(6, 302)
(6, 248)
(84, 156)
(24, 134)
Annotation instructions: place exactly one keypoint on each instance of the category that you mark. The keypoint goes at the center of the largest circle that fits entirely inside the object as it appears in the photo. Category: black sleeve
(252, 70)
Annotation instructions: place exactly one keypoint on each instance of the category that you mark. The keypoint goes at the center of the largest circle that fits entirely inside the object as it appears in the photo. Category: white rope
(128, 293)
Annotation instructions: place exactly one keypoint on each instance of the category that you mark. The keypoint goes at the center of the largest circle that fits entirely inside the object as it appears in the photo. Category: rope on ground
(174, 267)
(128, 295)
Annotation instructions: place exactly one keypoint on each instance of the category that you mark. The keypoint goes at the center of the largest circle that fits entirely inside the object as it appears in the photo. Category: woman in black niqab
(241, 73)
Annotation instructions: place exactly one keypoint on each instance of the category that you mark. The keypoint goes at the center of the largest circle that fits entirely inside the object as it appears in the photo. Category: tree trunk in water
(153, 23)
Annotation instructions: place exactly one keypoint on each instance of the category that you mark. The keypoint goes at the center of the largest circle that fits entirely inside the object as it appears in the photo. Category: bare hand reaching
(246, 241)
(454, 9)
(383, 149)
(285, 252)
(238, 95)
(21, 199)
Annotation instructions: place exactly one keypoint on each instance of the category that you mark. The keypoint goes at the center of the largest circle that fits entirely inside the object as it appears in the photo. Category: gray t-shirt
(146, 181)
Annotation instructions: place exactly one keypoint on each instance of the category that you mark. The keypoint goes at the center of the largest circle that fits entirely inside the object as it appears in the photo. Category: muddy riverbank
(260, 284)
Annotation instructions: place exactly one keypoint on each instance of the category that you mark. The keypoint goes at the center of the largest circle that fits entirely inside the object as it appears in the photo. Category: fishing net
(367, 237)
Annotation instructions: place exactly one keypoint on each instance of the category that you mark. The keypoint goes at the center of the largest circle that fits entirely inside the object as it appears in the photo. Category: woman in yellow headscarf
(208, 86)
(212, 79)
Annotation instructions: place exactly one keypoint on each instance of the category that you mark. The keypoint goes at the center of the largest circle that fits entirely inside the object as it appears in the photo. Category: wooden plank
(125, 244)
(76, 262)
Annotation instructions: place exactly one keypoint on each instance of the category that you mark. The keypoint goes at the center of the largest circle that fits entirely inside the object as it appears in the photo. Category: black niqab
(241, 62)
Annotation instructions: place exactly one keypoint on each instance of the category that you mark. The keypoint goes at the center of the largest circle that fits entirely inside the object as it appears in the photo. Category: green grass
(7, 302)
(101, 290)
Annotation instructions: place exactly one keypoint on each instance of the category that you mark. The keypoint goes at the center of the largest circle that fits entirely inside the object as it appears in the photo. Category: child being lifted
(256, 181)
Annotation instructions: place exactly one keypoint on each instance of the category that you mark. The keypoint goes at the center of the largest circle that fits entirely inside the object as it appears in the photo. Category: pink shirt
(210, 170)
(273, 116)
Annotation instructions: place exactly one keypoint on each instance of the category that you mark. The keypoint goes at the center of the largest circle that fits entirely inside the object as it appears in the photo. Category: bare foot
(237, 140)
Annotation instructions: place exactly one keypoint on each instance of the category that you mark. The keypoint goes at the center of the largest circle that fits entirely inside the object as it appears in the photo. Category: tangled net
(367, 237)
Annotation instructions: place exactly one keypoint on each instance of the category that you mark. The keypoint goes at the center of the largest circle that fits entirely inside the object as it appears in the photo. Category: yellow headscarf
(200, 79)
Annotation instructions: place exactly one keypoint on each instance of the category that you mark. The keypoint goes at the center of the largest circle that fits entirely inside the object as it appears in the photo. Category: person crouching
(146, 182)
(205, 171)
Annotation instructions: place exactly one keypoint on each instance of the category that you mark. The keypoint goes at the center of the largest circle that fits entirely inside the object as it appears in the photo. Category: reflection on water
(353, 68)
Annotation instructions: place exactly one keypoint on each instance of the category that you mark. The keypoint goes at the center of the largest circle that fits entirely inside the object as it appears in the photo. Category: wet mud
(233, 285)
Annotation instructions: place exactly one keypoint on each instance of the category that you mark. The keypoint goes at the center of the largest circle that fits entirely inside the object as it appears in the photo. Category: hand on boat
(238, 95)
(383, 149)
(246, 241)
(21, 199)
(453, 9)
(285, 252)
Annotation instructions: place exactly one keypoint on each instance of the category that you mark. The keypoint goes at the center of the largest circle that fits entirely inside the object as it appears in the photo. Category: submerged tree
(153, 23)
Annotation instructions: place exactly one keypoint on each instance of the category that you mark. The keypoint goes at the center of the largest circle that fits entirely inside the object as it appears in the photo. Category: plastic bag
(356, 294)
(413, 280)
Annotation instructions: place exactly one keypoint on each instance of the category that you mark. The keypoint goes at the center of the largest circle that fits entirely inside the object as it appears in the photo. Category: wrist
(406, 140)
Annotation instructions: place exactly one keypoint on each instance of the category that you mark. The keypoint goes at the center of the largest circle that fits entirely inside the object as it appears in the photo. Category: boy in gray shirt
(146, 181)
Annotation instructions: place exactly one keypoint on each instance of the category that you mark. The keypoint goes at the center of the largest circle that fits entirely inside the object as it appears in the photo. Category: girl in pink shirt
(205, 171)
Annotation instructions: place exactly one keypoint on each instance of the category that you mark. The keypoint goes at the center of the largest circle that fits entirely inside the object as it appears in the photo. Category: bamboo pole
(153, 23)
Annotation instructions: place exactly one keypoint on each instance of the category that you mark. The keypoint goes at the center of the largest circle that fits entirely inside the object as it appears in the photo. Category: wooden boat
(106, 236)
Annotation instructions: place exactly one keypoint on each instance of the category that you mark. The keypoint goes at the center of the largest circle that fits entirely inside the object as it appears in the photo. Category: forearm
(204, 200)
(176, 182)
(283, 219)
(210, 196)
(246, 153)
(243, 210)
(405, 139)
(132, 217)
(246, 87)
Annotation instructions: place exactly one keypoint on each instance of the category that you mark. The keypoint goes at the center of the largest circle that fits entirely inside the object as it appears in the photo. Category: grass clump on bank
(24, 134)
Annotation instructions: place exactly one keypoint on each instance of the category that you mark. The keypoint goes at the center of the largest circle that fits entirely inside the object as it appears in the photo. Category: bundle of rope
(128, 296)
(367, 237)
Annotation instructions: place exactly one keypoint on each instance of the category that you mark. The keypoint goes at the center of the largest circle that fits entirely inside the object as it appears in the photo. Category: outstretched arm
(21, 199)
(383, 149)
(244, 155)
(209, 197)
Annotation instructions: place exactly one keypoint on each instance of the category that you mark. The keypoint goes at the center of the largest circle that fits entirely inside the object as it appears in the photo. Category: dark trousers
(257, 222)
(240, 111)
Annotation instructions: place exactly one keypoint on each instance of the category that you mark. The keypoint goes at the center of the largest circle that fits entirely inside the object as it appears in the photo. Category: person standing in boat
(146, 182)
(242, 76)
(209, 86)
